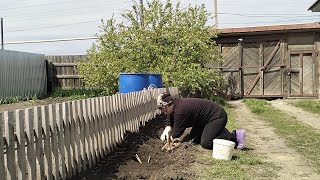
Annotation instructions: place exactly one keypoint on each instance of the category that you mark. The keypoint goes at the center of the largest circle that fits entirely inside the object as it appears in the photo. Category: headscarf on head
(164, 100)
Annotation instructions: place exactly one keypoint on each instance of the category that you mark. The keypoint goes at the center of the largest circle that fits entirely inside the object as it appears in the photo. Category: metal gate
(302, 73)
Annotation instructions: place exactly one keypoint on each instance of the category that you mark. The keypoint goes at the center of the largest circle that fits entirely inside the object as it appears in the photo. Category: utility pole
(2, 43)
(216, 13)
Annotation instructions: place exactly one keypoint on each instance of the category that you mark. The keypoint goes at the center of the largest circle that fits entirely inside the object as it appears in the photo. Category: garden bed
(122, 163)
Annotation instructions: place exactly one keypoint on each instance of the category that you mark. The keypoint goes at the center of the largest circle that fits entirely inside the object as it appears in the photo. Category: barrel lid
(138, 73)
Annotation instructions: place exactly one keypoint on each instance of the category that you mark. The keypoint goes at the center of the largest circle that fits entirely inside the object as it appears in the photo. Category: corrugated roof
(315, 7)
(269, 29)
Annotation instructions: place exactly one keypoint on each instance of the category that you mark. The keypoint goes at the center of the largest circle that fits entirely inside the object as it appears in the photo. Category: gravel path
(272, 147)
(306, 117)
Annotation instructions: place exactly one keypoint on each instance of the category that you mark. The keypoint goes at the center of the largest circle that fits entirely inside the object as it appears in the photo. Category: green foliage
(15, 99)
(160, 38)
(309, 105)
(74, 94)
(10, 100)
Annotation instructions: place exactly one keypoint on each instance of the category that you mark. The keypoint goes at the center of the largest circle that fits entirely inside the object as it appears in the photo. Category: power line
(60, 11)
(42, 17)
(46, 27)
(48, 4)
(51, 40)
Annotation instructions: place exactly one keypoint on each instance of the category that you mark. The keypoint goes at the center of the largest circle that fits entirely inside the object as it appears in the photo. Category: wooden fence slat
(112, 117)
(82, 147)
(60, 130)
(46, 145)
(73, 124)
(91, 133)
(54, 141)
(87, 132)
(102, 130)
(78, 135)
(2, 167)
(94, 132)
(122, 115)
(21, 154)
(31, 163)
(109, 127)
(10, 145)
(97, 129)
(38, 143)
(105, 125)
(115, 119)
(66, 120)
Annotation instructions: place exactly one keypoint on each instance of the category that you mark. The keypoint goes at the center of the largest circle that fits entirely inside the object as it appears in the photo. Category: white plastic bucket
(222, 149)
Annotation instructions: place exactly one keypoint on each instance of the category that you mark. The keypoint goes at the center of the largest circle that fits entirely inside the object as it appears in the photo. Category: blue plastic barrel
(131, 82)
(155, 80)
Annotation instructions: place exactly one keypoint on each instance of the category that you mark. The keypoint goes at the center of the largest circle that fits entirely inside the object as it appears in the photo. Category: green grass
(309, 105)
(246, 165)
(74, 94)
(298, 136)
(15, 99)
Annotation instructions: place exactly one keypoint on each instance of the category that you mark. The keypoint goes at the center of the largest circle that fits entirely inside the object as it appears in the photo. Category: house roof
(315, 6)
(269, 29)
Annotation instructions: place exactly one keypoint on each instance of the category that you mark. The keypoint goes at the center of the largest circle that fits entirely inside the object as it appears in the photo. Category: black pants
(214, 129)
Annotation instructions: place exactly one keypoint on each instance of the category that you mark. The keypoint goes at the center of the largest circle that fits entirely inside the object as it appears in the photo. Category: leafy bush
(157, 38)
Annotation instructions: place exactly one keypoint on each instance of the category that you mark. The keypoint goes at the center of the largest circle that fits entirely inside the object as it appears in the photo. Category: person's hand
(166, 133)
(171, 144)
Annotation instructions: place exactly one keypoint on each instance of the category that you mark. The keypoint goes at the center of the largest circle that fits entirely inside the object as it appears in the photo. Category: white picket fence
(60, 140)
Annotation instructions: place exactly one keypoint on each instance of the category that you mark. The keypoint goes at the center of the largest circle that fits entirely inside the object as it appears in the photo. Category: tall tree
(156, 37)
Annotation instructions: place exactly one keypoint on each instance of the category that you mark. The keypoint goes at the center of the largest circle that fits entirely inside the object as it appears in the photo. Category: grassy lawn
(245, 164)
(298, 136)
(309, 105)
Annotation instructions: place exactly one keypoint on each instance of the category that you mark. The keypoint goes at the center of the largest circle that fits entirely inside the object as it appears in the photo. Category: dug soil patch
(122, 163)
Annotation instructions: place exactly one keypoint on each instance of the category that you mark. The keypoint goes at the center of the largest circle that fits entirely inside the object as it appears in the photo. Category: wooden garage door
(261, 66)
(302, 73)
(230, 68)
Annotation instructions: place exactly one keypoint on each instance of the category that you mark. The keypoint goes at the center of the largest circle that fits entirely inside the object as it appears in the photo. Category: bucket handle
(152, 86)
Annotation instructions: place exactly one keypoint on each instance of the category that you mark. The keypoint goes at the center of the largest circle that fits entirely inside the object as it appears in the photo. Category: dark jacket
(192, 112)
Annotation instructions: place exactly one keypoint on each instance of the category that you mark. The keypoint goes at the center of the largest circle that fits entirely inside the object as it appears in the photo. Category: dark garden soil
(122, 164)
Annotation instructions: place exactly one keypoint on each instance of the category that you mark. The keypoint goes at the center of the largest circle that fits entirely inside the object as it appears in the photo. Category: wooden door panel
(307, 77)
(251, 64)
(230, 55)
(302, 72)
(263, 76)
(272, 82)
(230, 68)
(294, 76)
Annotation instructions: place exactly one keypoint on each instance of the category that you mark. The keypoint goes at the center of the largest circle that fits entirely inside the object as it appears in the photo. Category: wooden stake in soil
(138, 159)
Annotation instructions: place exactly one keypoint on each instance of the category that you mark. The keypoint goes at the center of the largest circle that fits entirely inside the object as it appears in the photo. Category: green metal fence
(22, 74)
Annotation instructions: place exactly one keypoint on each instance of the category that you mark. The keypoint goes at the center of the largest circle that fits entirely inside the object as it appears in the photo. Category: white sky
(28, 20)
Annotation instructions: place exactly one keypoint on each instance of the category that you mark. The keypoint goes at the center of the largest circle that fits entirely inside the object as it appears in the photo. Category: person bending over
(207, 119)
